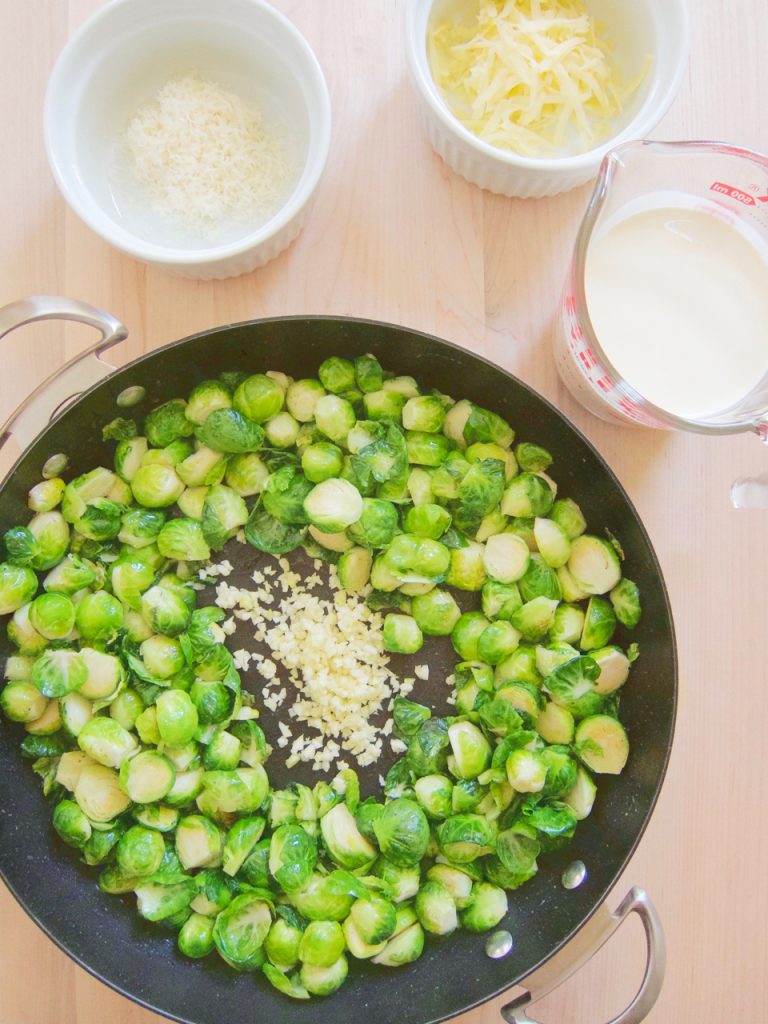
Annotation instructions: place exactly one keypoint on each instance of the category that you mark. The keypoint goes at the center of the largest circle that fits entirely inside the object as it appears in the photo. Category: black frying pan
(105, 935)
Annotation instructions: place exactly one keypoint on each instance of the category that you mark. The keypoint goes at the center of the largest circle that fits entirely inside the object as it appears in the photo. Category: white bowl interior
(636, 28)
(118, 63)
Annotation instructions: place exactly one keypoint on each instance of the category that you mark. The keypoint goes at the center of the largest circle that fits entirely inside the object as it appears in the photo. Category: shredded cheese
(205, 157)
(531, 76)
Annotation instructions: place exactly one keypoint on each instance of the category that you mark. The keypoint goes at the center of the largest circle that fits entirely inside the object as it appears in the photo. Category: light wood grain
(395, 235)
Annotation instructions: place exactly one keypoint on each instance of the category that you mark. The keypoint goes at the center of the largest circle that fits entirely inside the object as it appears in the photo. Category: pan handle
(583, 947)
(76, 376)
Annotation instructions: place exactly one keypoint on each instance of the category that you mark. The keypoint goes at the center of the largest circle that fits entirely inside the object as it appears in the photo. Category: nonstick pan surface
(104, 933)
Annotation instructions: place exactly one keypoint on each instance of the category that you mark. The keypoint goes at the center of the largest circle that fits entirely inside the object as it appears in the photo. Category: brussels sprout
(22, 701)
(202, 468)
(324, 981)
(455, 420)
(321, 461)
(354, 568)
(140, 852)
(383, 405)
(51, 538)
(177, 717)
(555, 724)
(506, 557)
(302, 397)
(471, 750)
(532, 458)
(224, 512)
(292, 857)
(581, 797)
(196, 936)
(101, 843)
(230, 431)
(401, 882)
(239, 843)
(467, 571)
(106, 742)
(548, 658)
(254, 749)
(213, 892)
(284, 493)
(162, 656)
(486, 908)
(594, 565)
(572, 685)
(165, 609)
(602, 744)
(343, 840)
(561, 771)
(156, 486)
(487, 427)
(419, 486)
(129, 456)
(436, 613)
(290, 986)
(104, 675)
(98, 792)
(465, 837)
(497, 642)
(204, 399)
(377, 524)
(71, 824)
(374, 919)
(99, 616)
(240, 791)
(259, 398)
(599, 624)
(246, 474)
(100, 521)
(427, 750)
(164, 901)
(17, 586)
(527, 495)
(423, 413)
(140, 527)
(213, 700)
(457, 882)
(186, 540)
(479, 493)
(58, 672)
(402, 832)
(20, 546)
(520, 667)
(406, 944)
(500, 600)
(368, 373)
(158, 817)
(147, 777)
(223, 752)
(337, 375)
(52, 615)
(466, 634)
(188, 784)
(434, 793)
(491, 525)
(568, 516)
(333, 505)
(323, 898)
(417, 559)
(436, 909)
(526, 771)
(168, 422)
(408, 717)
(68, 577)
(335, 417)
(625, 598)
(284, 939)
(534, 618)
(567, 624)
(322, 943)
(198, 843)
(614, 668)
(74, 711)
(240, 931)
(46, 495)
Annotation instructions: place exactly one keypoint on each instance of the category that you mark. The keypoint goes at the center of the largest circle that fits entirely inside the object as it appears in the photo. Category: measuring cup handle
(752, 491)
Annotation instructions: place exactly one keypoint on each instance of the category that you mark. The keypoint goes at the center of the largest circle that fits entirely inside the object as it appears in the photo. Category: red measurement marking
(576, 332)
(570, 305)
(604, 383)
(734, 193)
(587, 357)
(763, 199)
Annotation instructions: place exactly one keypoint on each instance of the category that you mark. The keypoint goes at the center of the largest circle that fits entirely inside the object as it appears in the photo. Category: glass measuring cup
(727, 182)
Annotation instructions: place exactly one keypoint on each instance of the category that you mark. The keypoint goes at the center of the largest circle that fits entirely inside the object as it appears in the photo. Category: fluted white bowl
(639, 28)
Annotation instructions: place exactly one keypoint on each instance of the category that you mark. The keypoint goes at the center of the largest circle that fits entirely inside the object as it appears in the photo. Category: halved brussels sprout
(22, 701)
(240, 931)
(487, 906)
(324, 981)
(436, 909)
(333, 505)
(625, 598)
(465, 837)
(199, 844)
(402, 832)
(343, 840)
(196, 936)
(18, 585)
(471, 750)
(99, 794)
(156, 485)
(594, 565)
(467, 570)
(147, 777)
(322, 943)
(140, 851)
(335, 417)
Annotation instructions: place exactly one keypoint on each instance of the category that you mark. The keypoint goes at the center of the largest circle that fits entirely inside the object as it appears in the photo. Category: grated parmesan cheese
(205, 157)
(532, 76)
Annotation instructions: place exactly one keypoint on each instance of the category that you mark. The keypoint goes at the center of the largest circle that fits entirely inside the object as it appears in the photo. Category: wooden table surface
(397, 236)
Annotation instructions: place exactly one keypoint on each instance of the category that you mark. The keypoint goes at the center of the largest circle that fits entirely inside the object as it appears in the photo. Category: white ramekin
(103, 74)
(658, 28)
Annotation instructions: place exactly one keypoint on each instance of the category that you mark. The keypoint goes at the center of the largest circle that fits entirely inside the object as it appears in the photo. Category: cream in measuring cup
(678, 298)
(665, 313)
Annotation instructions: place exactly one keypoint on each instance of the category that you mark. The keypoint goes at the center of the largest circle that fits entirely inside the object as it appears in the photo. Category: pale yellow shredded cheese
(531, 76)
(205, 157)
